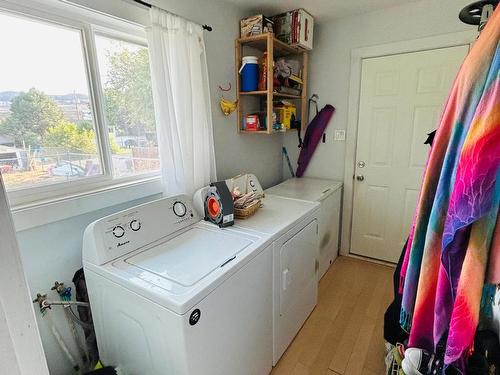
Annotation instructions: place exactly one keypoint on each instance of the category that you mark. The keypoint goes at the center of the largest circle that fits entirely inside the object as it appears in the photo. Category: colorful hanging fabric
(494, 261)
(445, 262)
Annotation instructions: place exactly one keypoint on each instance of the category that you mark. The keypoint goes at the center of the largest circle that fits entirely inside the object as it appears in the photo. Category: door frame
(15, 302)
(357, 57)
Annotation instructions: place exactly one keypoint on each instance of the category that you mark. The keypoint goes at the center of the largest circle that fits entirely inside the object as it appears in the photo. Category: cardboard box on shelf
(283, 27)
(256, 25)
(295, 28)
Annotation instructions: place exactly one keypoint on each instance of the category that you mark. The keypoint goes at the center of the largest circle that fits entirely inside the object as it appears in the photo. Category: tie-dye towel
(445, 264)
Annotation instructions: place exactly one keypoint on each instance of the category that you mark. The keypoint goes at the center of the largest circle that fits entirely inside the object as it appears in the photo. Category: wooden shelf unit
(274, 48)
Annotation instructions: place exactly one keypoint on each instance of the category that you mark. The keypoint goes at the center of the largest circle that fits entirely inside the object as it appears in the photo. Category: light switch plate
(339, 135)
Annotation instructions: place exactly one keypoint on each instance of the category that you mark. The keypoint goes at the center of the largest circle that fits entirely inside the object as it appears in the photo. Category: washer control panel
(119, 230)
(126, 231)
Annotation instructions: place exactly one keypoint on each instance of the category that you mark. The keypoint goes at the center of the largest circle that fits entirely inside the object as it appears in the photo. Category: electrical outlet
(339, 135)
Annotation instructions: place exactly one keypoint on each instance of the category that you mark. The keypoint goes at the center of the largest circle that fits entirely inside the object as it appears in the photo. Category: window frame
(89, 24)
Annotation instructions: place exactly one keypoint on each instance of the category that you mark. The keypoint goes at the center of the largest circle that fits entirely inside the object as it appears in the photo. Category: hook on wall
(225, 90)
(314, 99)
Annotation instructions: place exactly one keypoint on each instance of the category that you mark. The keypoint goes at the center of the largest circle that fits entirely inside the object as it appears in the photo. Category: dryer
(329, 194)
(171, 295)
(293, 226)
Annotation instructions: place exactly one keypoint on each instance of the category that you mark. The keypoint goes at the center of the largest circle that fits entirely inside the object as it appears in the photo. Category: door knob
(360, 177)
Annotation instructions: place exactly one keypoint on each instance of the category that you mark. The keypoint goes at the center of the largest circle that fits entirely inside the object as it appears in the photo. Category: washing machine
(329, 194)
(171, 295)
(293, 226)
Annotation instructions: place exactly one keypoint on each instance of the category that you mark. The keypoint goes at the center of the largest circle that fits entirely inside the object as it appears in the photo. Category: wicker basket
(244, 213)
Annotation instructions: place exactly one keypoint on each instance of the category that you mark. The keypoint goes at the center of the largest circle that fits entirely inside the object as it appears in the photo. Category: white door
(401, 100)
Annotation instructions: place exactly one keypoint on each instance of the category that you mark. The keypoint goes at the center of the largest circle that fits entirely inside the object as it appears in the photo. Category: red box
(251, 123)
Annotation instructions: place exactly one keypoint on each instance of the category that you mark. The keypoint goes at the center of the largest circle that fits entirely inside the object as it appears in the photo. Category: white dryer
(329, 194)
(293, 226)
(171, 295)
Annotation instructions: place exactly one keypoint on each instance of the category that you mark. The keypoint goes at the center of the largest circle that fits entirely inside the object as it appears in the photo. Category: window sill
(45, 212)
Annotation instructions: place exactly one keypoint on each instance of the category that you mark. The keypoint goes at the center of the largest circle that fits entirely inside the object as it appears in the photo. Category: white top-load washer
(293, 227)
(329, 194)
(171, 295)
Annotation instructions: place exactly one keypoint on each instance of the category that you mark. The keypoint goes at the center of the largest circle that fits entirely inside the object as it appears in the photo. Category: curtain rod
(143, 3)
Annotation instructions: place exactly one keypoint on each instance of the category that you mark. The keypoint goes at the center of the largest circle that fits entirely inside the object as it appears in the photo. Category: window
(128, 101)
(53, 140)
(47, 131)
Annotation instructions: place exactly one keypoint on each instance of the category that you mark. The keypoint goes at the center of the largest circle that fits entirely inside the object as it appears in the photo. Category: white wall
(330, 63)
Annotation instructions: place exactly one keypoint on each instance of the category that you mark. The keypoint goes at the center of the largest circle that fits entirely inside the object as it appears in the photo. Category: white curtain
(182, 102)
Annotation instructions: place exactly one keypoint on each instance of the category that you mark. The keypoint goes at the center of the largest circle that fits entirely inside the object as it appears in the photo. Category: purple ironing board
(313, 136)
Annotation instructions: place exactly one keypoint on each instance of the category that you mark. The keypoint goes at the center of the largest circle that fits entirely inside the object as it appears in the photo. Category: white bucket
(248, 60)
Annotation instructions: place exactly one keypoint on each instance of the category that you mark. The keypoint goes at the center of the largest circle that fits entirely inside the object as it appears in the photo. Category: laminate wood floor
(344, 333)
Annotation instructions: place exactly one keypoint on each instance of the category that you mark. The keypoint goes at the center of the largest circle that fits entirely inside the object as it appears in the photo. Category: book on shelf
(289, 90)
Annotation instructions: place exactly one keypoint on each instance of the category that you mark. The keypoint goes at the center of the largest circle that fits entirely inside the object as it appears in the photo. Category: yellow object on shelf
(285, 112)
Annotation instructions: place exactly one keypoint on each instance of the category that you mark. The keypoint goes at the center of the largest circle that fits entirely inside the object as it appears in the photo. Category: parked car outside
(66, 169)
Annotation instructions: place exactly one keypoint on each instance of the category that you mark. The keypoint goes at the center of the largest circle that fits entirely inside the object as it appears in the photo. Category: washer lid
(189, 257)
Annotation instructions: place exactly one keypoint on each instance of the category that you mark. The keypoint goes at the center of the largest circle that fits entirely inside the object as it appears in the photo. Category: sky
(39, 55)
(47, 57)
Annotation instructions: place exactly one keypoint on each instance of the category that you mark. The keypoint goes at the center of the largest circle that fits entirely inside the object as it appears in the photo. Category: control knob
(118, 231)
(179, 208)
(135, 225)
